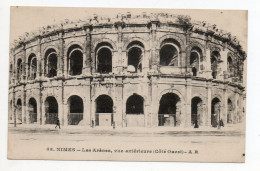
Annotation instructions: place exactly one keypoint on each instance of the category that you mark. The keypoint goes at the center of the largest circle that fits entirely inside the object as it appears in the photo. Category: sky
(27, 19)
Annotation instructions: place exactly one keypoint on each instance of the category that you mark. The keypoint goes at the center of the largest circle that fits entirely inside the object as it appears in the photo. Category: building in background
(128, 71)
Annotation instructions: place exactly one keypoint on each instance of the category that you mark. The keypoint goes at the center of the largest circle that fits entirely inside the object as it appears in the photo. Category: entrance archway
(75, 110)
(19, 110)
(51, 110)
(215, 112)
(168, 110)
(32, 110)
(196, 110)
(104, 111)
(135, 111)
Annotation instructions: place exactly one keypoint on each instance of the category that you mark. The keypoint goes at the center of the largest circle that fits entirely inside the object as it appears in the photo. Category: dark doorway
(196, 110)
(104, 60)
(135, 58)
(75, 60)
(194, 62)
(230, 67)
(32, 110)
(19, 110)
(214, 63)
(168, 110)
(51, 64)
(104, 111)
(32, 67)
(215, 112)
(76, 109)
(19, 69)
(135, 105)
(51, 110)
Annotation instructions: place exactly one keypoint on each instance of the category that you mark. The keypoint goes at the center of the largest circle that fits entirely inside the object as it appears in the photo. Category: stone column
(43, 116)
(118, 94)
(93, 104)
(87, 104)
(93, 64)
(154, 61)
(119, 52)
(60, 55)
(24, 111)
(27, 116)
(208, 105)
(204, 113)
(187, 117)
(24, 65)
(147, 101)
(63, 115)
(87, 54)
(223, 65)
(43, 67)
(235, 116)
(26, 76)
(14, 106)
(153, 115)
(39, 105)
(39, 57)
(225, 106)
(145, 61)
(208, 71)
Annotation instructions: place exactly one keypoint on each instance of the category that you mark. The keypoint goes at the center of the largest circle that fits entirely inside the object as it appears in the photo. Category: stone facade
(146, 70)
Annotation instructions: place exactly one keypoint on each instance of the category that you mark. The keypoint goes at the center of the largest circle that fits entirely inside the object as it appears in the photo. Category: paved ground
(227, 142)
(230, 130)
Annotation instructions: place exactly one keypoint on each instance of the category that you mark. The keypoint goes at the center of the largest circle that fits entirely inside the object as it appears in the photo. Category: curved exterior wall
(152, 81)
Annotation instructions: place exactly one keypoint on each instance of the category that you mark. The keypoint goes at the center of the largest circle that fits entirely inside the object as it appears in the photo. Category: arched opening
(169, 110)
(195, 58)
(19, 110)
(75, 60)
(135, 56)
(104, 111)
(51, 63)
(230, 110)
(32, 67)
(135, 105)
(32, 109)
(19, 69)
(196, 110)
(215, 112)
(135, 111)
(168, 55)
(215, 57)
(76, 109)
(104, 60)
(230, 67)
(51, 110)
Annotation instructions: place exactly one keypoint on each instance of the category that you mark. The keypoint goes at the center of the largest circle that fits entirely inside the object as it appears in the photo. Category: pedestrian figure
(196, 125)
(57, 123)
(114, 125)
(92, 124)
(221, 123)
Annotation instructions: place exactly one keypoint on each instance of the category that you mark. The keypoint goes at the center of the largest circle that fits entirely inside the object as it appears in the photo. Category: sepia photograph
(125, 84)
